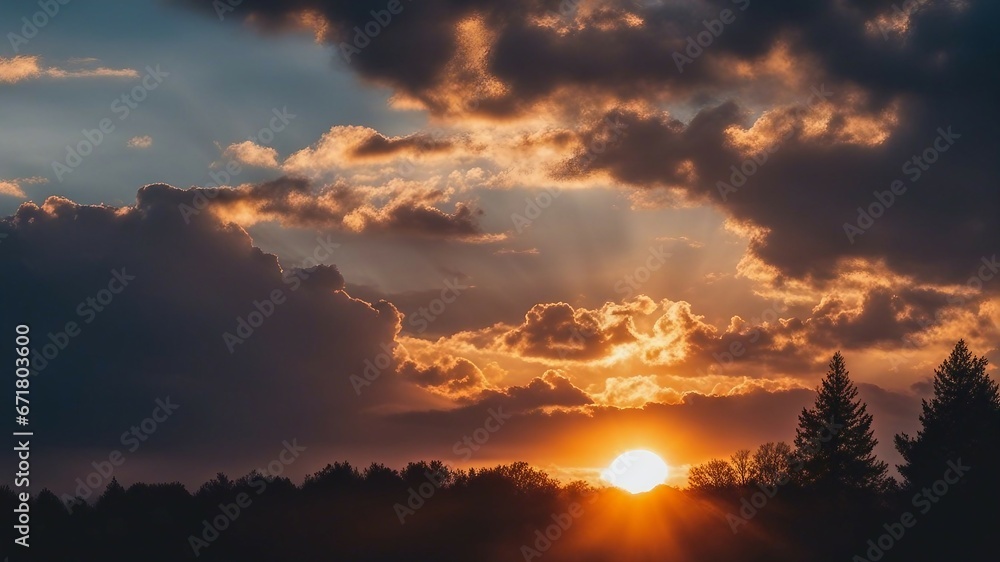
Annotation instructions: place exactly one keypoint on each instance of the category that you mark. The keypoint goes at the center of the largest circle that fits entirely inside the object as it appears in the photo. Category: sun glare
(636, 471)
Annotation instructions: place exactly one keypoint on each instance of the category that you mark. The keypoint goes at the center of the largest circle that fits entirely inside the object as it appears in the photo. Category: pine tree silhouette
(962, 420)
(834, 441)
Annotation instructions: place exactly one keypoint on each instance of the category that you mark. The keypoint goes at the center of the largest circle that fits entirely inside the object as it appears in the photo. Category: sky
(373, 226)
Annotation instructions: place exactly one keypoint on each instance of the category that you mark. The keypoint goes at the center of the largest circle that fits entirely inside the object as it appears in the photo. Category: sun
(636, 471)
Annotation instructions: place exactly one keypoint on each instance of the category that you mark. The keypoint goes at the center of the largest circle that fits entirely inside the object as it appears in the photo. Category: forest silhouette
(824, 497)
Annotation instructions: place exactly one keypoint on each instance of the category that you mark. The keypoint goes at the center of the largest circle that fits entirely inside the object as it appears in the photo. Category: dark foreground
(504, 514)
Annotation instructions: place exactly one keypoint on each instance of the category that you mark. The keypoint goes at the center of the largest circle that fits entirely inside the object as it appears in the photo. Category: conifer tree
(961, 421)
(834, 441)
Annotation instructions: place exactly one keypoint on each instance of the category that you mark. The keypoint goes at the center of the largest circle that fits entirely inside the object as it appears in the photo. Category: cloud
(17, 69)
(638, 332)
(21, 68)
(451, 376)
(635, 392)
(163, 334)
(689, 127)
(249, 153)
(640, 350)
(505, 60)
(881, 317)
(353, 147)
(559, 330)
(291, 377)
(142, 142)
(14, 188)
(552, 389)
(379, 145)
(516, 252)
(399, 208)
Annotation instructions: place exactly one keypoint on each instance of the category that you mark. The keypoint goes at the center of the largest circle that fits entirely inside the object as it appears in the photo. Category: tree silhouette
(962, 420)
(834, 441)
(770, 463)
(742, 465)
(716, 474)
(112, 495)
(339, 475)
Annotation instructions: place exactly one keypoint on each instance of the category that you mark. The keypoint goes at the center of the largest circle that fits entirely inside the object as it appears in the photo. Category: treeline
(834, 443)
(949, 488)
(823, 497)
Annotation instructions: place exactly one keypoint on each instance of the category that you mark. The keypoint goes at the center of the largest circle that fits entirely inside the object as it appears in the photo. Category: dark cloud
(293, 202)
(811, 186)
(884, 317)
(449, 375)
(559, 330)
(906, 75)
(672, 338)
(380, 145)
(536, 47)
(162, 335)
(551, 389)
(425, 220)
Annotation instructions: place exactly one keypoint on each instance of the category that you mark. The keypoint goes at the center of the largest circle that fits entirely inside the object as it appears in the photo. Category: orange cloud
(21, 68)
(250, 153)
(142, 142)
(14, 188)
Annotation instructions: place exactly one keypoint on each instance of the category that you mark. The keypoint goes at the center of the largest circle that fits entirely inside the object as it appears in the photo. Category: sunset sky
(573, 213)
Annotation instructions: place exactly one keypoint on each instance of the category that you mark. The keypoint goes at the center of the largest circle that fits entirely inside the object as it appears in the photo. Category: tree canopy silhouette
(962, 420)
(834, 441)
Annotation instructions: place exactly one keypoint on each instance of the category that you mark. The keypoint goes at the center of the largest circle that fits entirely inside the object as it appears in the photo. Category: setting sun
(636, 471)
